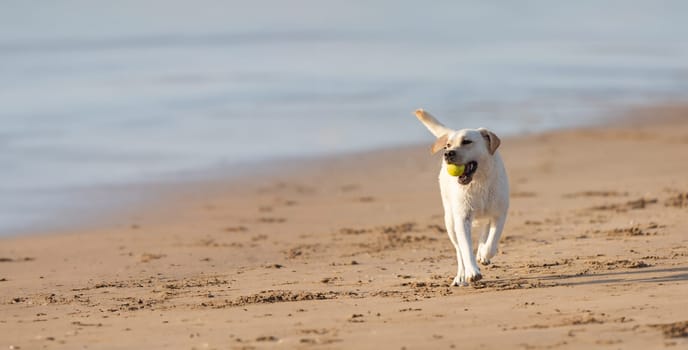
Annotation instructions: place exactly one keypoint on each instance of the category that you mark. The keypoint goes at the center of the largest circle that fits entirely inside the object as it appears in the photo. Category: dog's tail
(435, 127)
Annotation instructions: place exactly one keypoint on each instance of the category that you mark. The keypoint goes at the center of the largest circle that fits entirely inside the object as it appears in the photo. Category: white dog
(479, 197)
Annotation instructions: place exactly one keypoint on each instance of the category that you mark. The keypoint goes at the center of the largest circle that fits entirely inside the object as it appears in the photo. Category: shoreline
(354, 255)
(134, 197)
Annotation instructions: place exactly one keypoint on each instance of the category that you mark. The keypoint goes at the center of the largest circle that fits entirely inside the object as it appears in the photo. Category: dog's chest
(475, 197)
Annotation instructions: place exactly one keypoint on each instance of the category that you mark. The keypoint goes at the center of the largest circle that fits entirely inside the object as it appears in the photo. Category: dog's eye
(448, 146)
(466, 142)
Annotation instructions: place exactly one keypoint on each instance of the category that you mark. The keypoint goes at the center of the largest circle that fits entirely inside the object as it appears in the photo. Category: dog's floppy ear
(492, 140)
(435, 127)
(440, 143)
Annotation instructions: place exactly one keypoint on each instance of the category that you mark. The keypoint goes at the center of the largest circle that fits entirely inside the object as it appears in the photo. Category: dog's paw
(483, 254)
(459, 281)
(474, 278)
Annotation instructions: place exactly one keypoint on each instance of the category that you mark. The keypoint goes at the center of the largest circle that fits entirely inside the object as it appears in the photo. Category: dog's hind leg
(489, 249)
(482, 243)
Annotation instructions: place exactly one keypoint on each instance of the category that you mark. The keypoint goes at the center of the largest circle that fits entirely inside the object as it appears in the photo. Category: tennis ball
(456, 170)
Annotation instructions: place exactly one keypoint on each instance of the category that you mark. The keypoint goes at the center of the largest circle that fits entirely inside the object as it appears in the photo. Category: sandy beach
(344, 253)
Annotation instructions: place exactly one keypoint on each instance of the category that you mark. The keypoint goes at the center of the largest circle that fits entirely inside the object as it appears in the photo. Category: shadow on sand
(642, 275)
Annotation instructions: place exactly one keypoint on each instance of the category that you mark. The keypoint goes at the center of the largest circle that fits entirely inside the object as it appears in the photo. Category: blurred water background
(96, 95)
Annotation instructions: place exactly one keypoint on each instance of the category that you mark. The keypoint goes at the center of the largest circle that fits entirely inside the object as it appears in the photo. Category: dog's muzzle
(471, 167)
(467, 176)
(450, 156)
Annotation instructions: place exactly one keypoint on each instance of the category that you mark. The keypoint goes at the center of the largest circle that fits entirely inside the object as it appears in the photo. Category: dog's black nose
(449, 154)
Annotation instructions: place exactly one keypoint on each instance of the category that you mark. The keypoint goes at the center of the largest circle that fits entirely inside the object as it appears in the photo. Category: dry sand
(349, 254)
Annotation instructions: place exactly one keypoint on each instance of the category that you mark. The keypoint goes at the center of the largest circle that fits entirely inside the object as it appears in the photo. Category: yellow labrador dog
(478, 198)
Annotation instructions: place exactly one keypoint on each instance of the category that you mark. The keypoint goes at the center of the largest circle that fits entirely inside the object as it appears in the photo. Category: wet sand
(346, 253)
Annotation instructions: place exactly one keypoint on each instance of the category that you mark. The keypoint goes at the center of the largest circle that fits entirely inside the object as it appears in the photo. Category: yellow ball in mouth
(456, 170)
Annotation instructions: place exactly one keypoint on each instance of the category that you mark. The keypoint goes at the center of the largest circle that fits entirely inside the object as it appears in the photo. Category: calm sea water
(95, 95)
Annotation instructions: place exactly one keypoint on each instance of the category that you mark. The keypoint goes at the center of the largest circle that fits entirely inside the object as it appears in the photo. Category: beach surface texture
(350, 252)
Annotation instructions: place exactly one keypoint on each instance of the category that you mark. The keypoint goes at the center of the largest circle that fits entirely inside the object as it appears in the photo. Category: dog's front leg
(460, 279)
(462, 227)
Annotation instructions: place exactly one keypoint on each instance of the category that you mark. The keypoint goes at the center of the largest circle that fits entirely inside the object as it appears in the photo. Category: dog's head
(469, 147)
